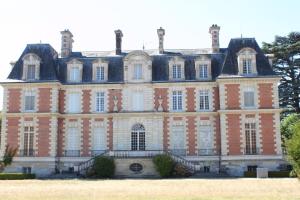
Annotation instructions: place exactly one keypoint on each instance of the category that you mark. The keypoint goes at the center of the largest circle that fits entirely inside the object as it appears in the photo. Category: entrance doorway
(138, 138)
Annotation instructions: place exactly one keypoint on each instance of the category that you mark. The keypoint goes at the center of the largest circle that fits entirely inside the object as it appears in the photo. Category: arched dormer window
(203, 68)
(100, 70)
(247, 62)
(31, 67)
(176, 68)
(137, 67)
(74, 67)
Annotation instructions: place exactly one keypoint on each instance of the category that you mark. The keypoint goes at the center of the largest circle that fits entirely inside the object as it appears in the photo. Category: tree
(9, 154)
(293, 148)
(286, 50)
(287, 125)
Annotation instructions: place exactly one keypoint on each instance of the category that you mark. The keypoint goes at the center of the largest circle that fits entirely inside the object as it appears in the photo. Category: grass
(217, 189)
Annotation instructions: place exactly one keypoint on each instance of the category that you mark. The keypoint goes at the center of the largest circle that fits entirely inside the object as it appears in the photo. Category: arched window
(247, 61)
(138, 138)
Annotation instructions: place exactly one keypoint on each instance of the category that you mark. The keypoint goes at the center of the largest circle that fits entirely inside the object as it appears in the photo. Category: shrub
(278, 174)
(293, 148)
(181, 171)
(249, 174)
(164, 165)
(104, 167)
(16, 176)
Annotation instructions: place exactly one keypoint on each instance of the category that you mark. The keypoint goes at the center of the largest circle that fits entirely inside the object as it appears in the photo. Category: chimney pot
(66, 43)
(214, 30)
(161, 34)
(119, 36)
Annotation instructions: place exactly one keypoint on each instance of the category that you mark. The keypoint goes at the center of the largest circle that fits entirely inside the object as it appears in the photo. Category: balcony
(72, 153)
(251, 151)
(26, 153)
(178, 152)
(131, 154)
(97, 152)
(207, 152)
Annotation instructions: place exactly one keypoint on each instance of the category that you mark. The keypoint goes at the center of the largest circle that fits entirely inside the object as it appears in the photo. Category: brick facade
(265, 95)
(44, 102)
(14, 100)
(267, 133)
(232, 92)
(43, 141)
(234, 134)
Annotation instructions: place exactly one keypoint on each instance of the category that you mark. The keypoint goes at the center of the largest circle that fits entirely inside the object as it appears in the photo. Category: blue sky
(93, 23)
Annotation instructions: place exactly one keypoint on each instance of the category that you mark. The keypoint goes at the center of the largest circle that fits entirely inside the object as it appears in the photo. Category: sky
(93, 22)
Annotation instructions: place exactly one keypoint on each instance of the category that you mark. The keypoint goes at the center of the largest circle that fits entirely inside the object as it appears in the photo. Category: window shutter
(74, 102)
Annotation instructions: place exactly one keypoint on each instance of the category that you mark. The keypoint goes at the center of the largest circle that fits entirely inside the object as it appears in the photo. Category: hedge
(164, 165)
(104, 167)
(16, 176)
(271, 174)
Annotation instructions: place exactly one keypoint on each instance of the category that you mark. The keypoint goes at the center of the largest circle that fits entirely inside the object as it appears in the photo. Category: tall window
(249, 98)
(205, 140)
(247, 66)
(29, 101)
(178, 140)
(74, 103)
(137, 73)
(250, 135)
(204, 100)
(99, 141)
(100, 101)
(73, 142)
(176, 71)
(177, 100)
(74, 74)
(138, 101)
(30, 75)
(138, 138)
(203, 71)
(28, 141)
(100, 73)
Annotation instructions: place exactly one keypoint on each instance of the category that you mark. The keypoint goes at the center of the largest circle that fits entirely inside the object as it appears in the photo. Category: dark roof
(48, 62)
(224, 62)
(230, 66)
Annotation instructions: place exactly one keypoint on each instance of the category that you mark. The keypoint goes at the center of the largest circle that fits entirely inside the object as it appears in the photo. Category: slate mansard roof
(224, 62)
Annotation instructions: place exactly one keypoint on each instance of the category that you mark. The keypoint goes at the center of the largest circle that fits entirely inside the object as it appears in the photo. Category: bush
(164, 165)
(249, 174)
(104, 167)
(293, 148)
(271, 174)
(181, 171)
(16, 176)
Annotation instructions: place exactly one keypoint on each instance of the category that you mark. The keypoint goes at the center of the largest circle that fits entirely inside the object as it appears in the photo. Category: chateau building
(216, 107)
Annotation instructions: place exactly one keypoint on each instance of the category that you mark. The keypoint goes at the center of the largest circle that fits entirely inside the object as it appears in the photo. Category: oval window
(136, 167)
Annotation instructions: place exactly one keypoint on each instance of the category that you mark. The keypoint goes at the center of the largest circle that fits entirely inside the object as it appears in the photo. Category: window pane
(29, 103)
(249, 99)
(100, 73)
(74, 74)
(30, 72)
(250, 136)
(247, 66)
(203, 71)
(74, 102)
(177, 100)
(204, 100)
(99, 102)
(137, 71)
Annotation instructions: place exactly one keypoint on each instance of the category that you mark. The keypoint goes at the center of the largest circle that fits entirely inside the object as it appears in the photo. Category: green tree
(9, 154)
(293, 148)
(287, 124)
(286, 50)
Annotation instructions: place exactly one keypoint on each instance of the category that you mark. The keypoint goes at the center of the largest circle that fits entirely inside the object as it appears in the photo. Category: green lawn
(261, 189)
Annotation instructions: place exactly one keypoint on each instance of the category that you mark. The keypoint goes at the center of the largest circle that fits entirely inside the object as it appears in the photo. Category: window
(30, 75)
(177, 100)
(137, 72)
(249, 99)
(73, 144)
(251, 168)
(138, 101)
(99, 141)
(203, 71)
(29, 101)
(74, 74)
(100, 73)
(205, 140)
(178, 140)
(74, 103)
(26, 170)
(28, 141)
(100, 101)
(176, 71)
(247, 66)
(250, 136)
(138, 138)
(204, 100)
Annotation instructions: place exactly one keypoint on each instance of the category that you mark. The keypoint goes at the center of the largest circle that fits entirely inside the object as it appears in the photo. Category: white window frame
(251, 142)
(31, 59)
(203, 61)
(32, 94)
(100, 103)
(176, 63)
(247, 66)
(176, 71)
(137, 71)
(77, 100)
(74, 77)
(203, 71)
(100, 71)
(246, 58)
(204, 100)
(177, 100)
(249, 89)
(101, 64)
(71, 76)
(73, 132)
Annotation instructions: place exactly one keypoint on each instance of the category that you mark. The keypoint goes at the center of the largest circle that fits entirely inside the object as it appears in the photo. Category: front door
(138, 138)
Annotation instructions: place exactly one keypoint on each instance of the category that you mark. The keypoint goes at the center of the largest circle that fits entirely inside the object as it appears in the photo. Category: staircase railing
(84, 166)
(192, 167)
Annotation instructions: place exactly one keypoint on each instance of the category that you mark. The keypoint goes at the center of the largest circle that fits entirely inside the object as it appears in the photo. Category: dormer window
(74, 71)
(176, 68)
(176, 71)
(100, 68)
(247, 62)
(137, 72)
(203, 68)
(31, 67)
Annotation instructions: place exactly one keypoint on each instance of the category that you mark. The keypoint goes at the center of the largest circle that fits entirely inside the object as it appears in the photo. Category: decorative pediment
(74, 61)
(137, 55)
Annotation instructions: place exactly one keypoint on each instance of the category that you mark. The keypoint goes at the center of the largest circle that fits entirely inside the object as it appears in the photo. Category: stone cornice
(271, 110)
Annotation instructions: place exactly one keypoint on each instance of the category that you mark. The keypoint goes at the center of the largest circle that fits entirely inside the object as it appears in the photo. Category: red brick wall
(191, 137)
(216, 98)
(163, 92)
(110, 133)
(111, 94)
(233, 134)
(14, 100)
(86, 101)
(86, 147)
(232, 96)
(12, 131)
(60, 137)
(44, 100)
(166, 133)
(62, 95)
(43, 137)
(267, 133)
(190, 99)
(265, 95)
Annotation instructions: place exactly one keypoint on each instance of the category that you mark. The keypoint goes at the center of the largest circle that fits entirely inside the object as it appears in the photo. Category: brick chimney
(119, 36)
(66, 43)
(215, 43)
(161, 34)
